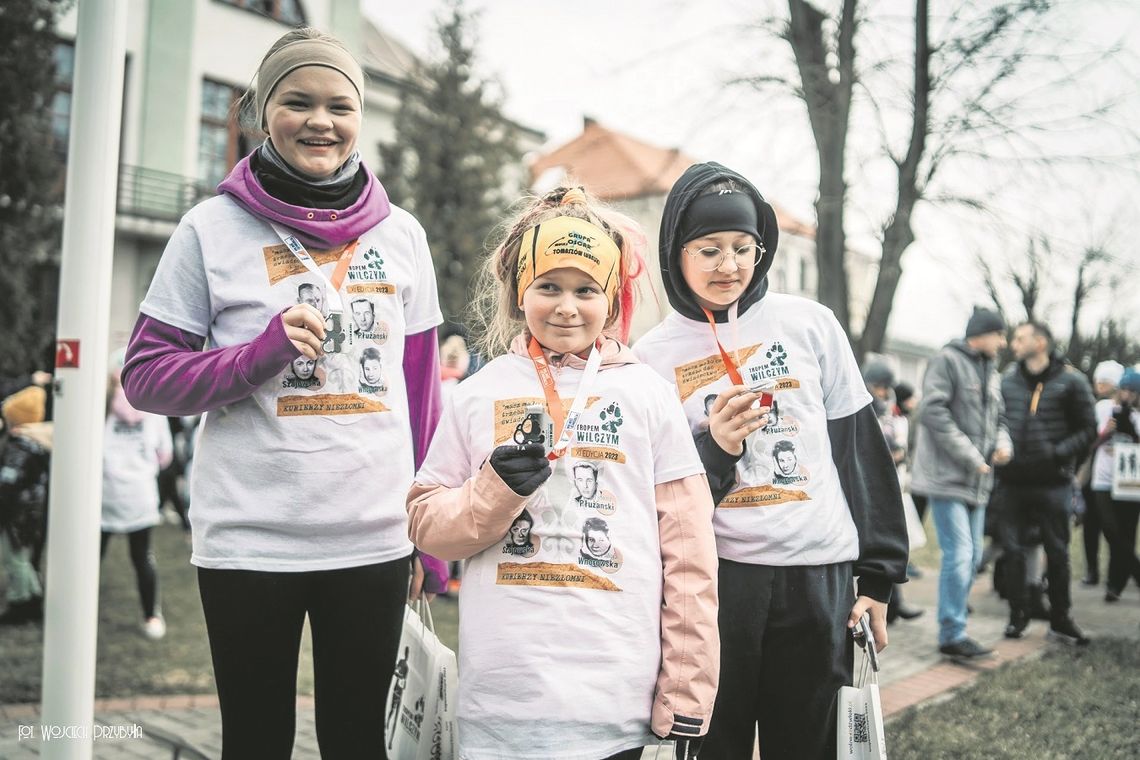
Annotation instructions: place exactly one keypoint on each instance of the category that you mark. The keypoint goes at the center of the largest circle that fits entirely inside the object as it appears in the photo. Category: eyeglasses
(712, 258)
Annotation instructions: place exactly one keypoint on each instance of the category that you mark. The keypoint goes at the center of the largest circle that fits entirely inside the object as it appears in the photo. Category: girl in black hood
(806, 492)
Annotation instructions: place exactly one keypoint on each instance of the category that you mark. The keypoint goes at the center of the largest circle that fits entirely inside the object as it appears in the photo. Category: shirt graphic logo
(611, 418)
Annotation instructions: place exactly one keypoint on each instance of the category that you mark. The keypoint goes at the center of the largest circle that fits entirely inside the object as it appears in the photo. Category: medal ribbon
(729, 364)
(564, 423)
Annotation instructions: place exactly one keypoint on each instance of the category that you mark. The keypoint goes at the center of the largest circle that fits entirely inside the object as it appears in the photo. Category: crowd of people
(671, 541)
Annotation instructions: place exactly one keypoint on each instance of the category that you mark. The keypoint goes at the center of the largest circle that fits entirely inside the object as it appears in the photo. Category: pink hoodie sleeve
(457, 523)
(690, 639)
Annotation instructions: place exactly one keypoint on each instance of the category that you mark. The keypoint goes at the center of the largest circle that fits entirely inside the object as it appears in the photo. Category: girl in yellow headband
(564, 473)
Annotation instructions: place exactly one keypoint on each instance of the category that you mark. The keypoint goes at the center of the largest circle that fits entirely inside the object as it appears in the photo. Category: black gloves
(523, 468)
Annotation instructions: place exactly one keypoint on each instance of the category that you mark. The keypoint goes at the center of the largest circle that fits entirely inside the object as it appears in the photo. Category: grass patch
(129, 664)
(1071, 703)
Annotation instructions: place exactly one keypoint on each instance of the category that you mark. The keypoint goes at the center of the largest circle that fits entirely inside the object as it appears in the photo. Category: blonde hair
(497, 319)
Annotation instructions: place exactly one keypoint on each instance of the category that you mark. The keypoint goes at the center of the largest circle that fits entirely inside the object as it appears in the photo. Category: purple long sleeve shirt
(167, 372)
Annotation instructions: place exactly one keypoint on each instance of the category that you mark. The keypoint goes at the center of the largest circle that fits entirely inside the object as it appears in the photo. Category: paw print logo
(611, 418)
(373, 259)
(776, 354)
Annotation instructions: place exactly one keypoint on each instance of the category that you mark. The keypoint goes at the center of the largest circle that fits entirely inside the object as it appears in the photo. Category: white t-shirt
(788, 507)
(559, 622)
(1102, 459)
(311, 471)
(131, 454)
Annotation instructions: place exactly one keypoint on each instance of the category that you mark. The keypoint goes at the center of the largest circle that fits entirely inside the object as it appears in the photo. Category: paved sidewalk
(913, 673)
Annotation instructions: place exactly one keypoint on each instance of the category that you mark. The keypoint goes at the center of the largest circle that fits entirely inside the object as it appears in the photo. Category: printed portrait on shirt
(364, 322)
(521, 540)
(598, 548)
(313, 294)
(586, 478)
(371, 374)
(303, 373)
(707, 405)
(786, 464)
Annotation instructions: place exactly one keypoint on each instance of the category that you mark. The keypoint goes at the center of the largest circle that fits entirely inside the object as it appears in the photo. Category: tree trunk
(899, 233)
(827, 94)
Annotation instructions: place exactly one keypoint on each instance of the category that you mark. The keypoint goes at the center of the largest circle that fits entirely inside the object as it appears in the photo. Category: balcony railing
(156, 194)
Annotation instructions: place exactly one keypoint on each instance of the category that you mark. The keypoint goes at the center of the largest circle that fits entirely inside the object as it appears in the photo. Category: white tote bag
(419, 714)
(1125, 471)
(915, 533)
(859, 731)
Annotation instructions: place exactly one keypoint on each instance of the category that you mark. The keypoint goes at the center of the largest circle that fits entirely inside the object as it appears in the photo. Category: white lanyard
(546, 380)
(293, 244)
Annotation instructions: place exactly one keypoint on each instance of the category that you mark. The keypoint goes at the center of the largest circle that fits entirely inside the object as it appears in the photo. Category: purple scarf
(316, 227)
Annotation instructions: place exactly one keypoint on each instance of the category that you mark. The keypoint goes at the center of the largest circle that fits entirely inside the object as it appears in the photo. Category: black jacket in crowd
(1051, 422)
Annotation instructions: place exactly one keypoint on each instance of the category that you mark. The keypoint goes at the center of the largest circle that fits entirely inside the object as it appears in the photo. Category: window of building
(61, 99)
(220, 142)
(286, 11)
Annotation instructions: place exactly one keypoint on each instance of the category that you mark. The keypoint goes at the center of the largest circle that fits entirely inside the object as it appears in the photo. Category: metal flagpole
(72, 578)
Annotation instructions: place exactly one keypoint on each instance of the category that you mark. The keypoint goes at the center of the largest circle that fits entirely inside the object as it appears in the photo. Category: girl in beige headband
(297, 488)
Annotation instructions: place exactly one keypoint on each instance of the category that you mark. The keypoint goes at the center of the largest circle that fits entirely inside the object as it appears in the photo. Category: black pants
(146, 571)
(1091, 532)
(168, 491)
(920, 505)
(785, 651)
(1026, 513)
(1119, 520)
(254, 621)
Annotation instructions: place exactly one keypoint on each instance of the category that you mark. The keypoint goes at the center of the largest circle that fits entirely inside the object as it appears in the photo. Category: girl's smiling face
(717, 289)
(565, 310)
(313, 119)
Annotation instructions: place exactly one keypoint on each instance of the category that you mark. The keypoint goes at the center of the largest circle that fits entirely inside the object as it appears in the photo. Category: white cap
(1108, 372)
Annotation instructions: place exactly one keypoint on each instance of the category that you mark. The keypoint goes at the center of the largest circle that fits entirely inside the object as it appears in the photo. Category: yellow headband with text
(567, 241)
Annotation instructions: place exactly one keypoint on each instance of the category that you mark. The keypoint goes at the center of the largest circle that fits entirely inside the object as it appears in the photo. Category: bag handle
(423, 610)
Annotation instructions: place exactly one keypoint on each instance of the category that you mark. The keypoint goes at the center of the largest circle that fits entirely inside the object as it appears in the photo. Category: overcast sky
(657, 70)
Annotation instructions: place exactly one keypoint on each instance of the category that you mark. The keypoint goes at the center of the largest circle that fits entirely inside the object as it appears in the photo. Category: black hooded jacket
(689, 186)
(866, 470)
(1051, 422)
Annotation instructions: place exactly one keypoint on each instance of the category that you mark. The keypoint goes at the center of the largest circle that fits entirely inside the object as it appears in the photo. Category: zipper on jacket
(1036, 398)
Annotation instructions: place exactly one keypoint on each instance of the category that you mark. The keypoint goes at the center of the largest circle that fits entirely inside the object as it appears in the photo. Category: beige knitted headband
(304, 53)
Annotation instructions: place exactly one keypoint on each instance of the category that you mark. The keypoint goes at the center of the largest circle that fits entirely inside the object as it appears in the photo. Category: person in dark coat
(1049, 414)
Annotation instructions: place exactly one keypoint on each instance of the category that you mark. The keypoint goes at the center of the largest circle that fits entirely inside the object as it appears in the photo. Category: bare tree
(827, 85)
(961, 106)
(1027, 275)
(1088, 280)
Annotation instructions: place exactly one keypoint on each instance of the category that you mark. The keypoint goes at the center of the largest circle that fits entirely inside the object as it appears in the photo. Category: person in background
(1106, 379)
(25, 462)
(136, 447)
(1118, 421)
(906, 404)
(961, 436)
(454, 361)
(880, 379)
(1049, 413)
(169, 485)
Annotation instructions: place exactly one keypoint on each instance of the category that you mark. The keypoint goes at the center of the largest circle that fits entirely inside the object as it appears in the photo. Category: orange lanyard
(729, 365)
(563, 424)
(766, 396)
(342, 264)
